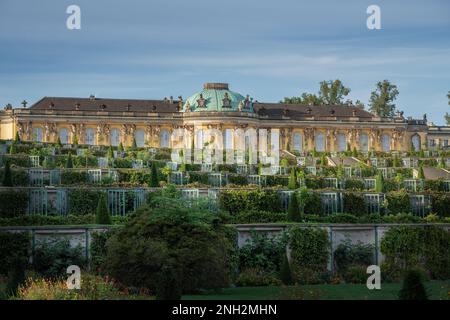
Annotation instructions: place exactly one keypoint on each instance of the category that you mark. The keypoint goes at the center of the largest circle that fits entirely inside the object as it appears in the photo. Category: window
(415, 141)
(297, 142)
(341, 142)
(89, 136)
(320, 142)
(139, 135)
(37, 134)
(386, 143)
(363, 142)
(64, 135)
(115, 137)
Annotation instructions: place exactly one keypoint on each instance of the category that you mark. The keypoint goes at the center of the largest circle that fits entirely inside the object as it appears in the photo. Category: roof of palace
(100, 104)
(213, 97)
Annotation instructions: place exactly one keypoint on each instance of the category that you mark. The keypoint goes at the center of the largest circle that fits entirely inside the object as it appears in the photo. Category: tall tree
(333, 92)
(381, 100)
(447, 115)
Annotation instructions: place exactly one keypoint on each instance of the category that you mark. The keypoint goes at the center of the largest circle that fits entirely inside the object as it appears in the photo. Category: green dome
(217, 97)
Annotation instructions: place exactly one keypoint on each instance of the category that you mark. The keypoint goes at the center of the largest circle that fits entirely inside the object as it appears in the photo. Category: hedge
(14, 249)
(354, 204)
(13, 203)
(83, 201)
(235, 201)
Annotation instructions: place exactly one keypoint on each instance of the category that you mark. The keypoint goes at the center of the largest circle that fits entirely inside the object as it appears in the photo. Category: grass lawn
(389, 291)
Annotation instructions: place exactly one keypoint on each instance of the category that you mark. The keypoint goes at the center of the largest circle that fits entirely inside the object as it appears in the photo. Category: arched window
(115, 137)
(386, 142)
(228, 139)
(89, 136)
(64, 135)
(415, 141)
(320, 142)
(139, 136)
(297, 142)
(363, 142)
(341, 142)
(37, 134)
(164, 139)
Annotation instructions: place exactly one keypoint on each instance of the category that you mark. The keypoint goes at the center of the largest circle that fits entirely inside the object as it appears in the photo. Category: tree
(17, 138)
(110, 152)
(102, 215)
(359, 104)
(285, 271)
(304, 99)
(7, 178)
(58, 142)
(396, 162)
(413, 288)
(332, 92)
(75, 140)
(421, 174)
(294, 214)
(134, 144)
(12, 148)
(379, 183)
(381, 100)
(154, 181)
(69, 162)
(292, 184)
(447, 118)
(120, 147)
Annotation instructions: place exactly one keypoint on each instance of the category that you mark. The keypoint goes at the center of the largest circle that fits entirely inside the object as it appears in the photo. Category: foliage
(398, 202)
(13, 203)
(83, 201)
(347, 255)
(292, 184)
(381, 100)
(154, 180)
(47, 220)
(413, 287)
(262, 252)
(310, 202)
(257, 216)
(354, 204)
(7, 178)
(294, 214)
(254, 277)
(102, 215)
(92, 288)
(69, 163)
(52, 258)
(170, 234)
(235, 201)
(309, 252)
(379, 183)
(73, 177)
(440, 204)
(14, 249)
(285, 271)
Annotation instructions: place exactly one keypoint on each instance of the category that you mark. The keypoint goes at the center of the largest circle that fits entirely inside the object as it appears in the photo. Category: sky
(267, 49)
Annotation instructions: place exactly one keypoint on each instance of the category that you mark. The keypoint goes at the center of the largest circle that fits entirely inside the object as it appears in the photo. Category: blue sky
(268, 49)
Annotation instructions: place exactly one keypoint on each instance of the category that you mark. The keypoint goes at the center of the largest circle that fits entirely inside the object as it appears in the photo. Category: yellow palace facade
(215, 118)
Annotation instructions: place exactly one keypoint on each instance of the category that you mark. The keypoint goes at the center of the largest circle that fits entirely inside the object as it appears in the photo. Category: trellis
(384, 172)
(37, 201)
(275, 170)
(331, 202)
(55, 177)
(206, 167)
(102, 162)
(177, 177)
(36, 177)
(413, 185)
(216, 180)
(330, 183)
(137, 164)
(241, 169)
(190, 193)
(311, 170)
(348, 171)
(420, 204)
(95, 175)
(34, 161)
(369, 184)
(373, 202)
(213, 196)
(285, 198)
(256, 179)
(47, 201)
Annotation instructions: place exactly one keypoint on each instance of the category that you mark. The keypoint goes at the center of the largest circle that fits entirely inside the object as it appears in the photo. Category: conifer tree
(154, 181)
(292, 184)
(102, 214)
(7, 178)
(294, 214)
(413, 288)
(69, 162)
(285, 271)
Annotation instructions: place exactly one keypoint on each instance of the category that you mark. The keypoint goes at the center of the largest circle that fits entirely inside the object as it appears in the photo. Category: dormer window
(247, 102)
(77, 106)
(226, 102)
(103, 107)
(201, 102)
(128, 107)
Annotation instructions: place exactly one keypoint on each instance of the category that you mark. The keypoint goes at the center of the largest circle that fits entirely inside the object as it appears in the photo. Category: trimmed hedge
(13, 203)
(236, 201)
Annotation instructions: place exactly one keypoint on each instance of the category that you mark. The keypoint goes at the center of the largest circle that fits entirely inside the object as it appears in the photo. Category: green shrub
(292, 184)
(102, 215)
(255, 216)
(294, 214)
(7, 178)
(285, 271)
(187, 239)
(83, 201)
(310, 202)
(354, 204)
(413, 288)
(235, 201)
(440, 204)
(398, 202)
(69, 163)
(348, 254)
(13, 203)
(341, 218)
(14, 249)
(255, 277)
(309, 248)
(73, 177)
(46, 220)
(52, 258)
(354, 184)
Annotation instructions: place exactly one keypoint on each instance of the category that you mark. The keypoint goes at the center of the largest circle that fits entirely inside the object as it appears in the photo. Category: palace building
(216, 118)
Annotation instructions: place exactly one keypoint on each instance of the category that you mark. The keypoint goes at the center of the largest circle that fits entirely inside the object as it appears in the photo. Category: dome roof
(217, 97)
